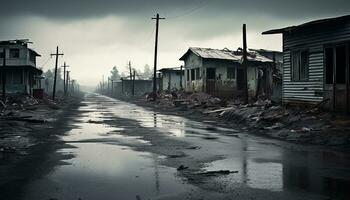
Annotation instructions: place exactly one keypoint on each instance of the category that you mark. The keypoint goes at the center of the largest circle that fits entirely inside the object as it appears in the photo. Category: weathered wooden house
(220, 72)
(19, 69)
(172, 78)
(316, 63)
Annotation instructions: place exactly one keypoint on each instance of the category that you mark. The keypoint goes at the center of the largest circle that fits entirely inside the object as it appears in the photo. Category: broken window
(329, 57)
(231, 73)
(14, 53)
(192, 75)
(300, 65)
(341, 64)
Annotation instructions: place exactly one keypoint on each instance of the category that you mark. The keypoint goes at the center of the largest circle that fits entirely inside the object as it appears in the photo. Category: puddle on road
(102, 166)
(300, 179)
(102, 171)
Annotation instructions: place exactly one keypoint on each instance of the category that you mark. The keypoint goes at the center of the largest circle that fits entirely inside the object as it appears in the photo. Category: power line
(190, 11)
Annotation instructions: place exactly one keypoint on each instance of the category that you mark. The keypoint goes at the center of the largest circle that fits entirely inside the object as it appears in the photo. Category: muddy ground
(29, 137)
(303, 125)
(111, 149)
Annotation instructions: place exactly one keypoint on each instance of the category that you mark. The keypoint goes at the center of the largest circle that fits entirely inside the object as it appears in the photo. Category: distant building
(316, 63)
(20, 71)
(172, 78)
(220, 72)
(126, 87)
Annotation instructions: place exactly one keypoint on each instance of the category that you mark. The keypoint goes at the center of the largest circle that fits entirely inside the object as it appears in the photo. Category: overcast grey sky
(96, 35)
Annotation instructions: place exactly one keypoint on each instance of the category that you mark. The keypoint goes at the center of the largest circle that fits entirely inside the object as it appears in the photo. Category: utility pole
(130, 70)
(108, 85)
(3, 77)
(67, 79)
(103, 83)
(181, 77)
(64, 78)
(112, 89)
(133, 84)
(54, 83)
(157, 18)
(245, 65)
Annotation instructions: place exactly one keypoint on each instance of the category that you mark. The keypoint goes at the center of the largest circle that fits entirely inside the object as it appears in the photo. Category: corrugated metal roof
(309, 24)
(225, 54)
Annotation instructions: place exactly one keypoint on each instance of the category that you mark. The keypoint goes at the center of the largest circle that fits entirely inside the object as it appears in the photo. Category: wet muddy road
(116, 150)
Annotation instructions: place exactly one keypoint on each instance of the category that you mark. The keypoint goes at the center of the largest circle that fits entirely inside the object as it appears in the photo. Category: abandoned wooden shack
(172, 79)
(127, 87)
(18, 67)
(316, 63)
(220, 72)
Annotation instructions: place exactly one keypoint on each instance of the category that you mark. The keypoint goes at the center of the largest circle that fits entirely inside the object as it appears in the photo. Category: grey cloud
(75, 9)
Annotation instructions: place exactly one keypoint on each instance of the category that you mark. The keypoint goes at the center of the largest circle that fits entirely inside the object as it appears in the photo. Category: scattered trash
(180, 155)
(181, 167)
(220, 172)
(194, 148)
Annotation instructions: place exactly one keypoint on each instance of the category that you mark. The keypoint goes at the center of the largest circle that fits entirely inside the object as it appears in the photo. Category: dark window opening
(329, 57)
(341, 64)
(197, 74)
(211, 73)
(240, 79)
(231, 73)
(192, 75)
(14, 53)
(188, 75)
(300, 63)
(2, 54)
(32, 57)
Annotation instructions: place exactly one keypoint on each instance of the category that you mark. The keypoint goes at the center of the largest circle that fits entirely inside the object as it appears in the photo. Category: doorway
(337, 77)
(240, 79)
(210, 81)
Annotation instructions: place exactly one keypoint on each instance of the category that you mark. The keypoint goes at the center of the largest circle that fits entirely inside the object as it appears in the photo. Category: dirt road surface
(117, 150)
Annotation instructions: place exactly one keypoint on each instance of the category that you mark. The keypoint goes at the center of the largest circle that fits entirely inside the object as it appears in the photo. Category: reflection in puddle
(255, 175)
(103, 168)
(101, 171)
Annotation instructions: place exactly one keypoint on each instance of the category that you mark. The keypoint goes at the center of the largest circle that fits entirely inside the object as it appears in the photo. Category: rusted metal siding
(314, 40)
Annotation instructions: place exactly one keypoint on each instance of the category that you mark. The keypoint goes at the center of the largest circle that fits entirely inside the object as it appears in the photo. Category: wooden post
(169, 81)
(181, 77)
(122, 85)
(67, 79)
(112, 89)
(245, 65)
(133, 84)
(54, 82)
(3, 76)
(155, 55)
(64, 78)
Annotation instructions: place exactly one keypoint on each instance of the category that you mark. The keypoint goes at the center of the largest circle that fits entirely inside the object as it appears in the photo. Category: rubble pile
(187, 100)
(263, 117)
(295, 124)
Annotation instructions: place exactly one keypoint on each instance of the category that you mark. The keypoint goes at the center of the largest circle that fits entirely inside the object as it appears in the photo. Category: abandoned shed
(220, 72)
(172, 78)
(18, 67)
(316, 63)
